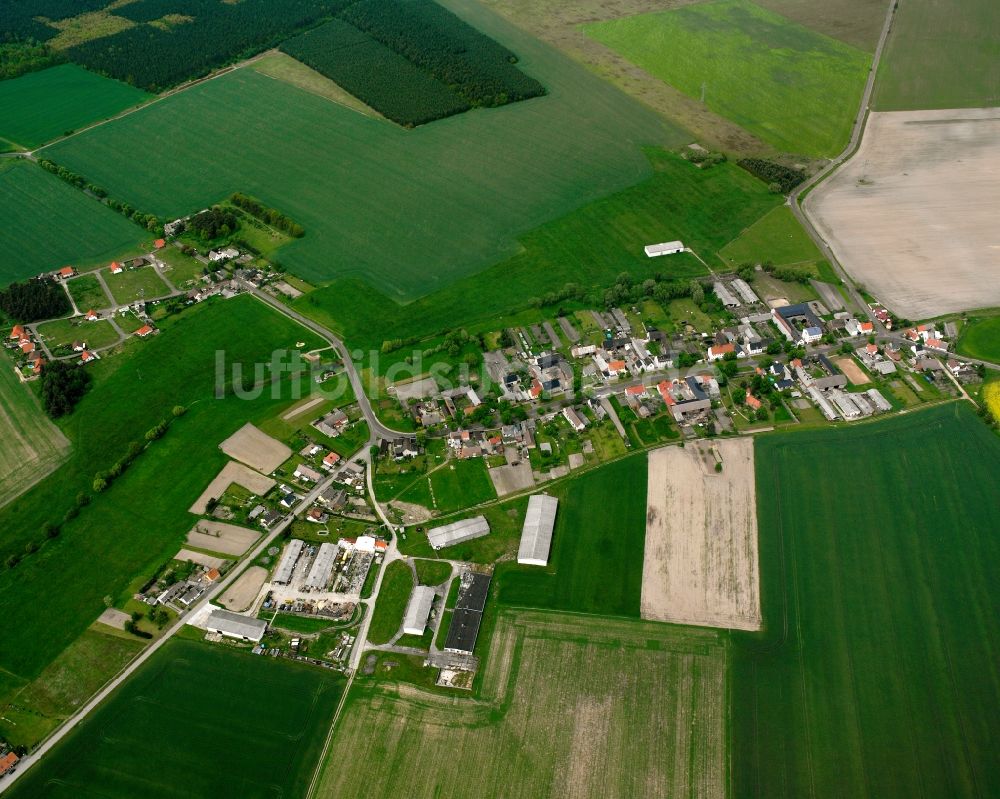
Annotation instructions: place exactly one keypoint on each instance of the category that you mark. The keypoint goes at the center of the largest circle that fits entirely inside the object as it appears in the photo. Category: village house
(576, 421)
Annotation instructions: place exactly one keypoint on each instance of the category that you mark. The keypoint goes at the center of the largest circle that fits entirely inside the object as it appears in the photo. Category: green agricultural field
(856, 22)
(140, 521)
(66, 684)
(792, 87)
(879, 594)
(341, 174)
(229, 723)
(134, 284)
(394, 593)
(63, 332)
(614, 708)
(777, 237)
(88, 294)
(432, 572)
(595, 565)
(42, 106)
(980, 338)
(940, 55)
(30, 445)
(456, 484)
(48, 224)
(705, 208)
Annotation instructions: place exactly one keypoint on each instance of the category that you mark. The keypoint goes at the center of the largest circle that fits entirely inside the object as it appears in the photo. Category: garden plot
(231, 473)
(700, 564)
(221, 537)
(256, 449)
(912, 215)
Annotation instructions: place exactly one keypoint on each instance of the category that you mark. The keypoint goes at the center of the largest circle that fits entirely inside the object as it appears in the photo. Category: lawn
(591, 247)
(472, 186)
(88, 293)
(595, 565)
(393, 595)
(940, 55)
(30, 445)
(61, 333)
(48, 224)
(181, 270)
(135, 284)
(563, 697)
(140, 521)
(457, 484)
(66, 684)
(793, 87)
(873, 677)
(42, 106)
(777, 237)
(980, 338)
(432, 572)
(230, 724)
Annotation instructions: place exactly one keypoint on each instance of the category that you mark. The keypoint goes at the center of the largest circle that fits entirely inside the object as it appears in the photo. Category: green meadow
(777, 237)
(42, 106)
(875, 674)
(591, 246)
(228, 723)
(793, 87)
(408, 211)
(941, 55)
(980, 338)
(88, 294)
(142, 518)
(394, 594)
(48, 224)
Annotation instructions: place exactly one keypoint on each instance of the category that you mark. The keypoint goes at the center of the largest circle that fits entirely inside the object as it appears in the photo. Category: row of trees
(38, 298)
(148, 221)
(476, 67)
(157, 57)
(48, 532)
(104, 479)
(268, 216)
(781, 178)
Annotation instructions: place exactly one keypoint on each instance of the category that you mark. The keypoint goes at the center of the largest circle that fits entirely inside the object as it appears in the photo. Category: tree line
(780, 178)
(268, 216)
(63, 386)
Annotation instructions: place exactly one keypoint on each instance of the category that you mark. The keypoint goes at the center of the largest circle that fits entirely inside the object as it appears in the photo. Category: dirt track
(912, 216)
(700, 564)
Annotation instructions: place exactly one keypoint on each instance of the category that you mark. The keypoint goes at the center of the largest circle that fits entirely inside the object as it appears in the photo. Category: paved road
(29, 760)
(852, 146)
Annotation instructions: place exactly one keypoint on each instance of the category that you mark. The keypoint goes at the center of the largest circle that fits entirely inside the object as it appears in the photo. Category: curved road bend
(852, 146)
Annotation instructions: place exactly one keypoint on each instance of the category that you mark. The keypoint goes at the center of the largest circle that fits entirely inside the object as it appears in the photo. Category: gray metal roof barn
(536, 535)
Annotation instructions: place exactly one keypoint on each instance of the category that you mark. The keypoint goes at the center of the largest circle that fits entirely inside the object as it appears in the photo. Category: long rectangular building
(234, 625)
(283, 574)
(319, 572)
(457, 532)
(418, 609)
(472, 592)
(536, 535)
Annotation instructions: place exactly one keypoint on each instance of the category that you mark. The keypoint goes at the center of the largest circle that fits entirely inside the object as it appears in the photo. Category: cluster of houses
(181, 595)
(28, 355)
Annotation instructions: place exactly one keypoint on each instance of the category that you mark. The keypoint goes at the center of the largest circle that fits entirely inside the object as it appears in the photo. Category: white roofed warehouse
(536, 535)
(233, 625)
(418, 610)
(457, 532)
(664, 248)
(283, 574)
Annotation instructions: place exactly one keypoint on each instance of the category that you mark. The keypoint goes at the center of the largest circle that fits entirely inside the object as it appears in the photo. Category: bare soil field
(508, 479)
(557, 22)
(256, 449)
(208, 561)
(30, 445)
(221, 537)
(114, 618)
(241, 594)
(412, 512)
(231, 473)
(700, 565)
(913, 215)
(571, 706)
(853, 371)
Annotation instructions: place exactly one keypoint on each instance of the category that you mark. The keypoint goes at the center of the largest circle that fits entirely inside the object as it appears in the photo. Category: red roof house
(144, 331)
(17, 331)
(159, 244)
(116, 268)
(67, 271)
(752, 401)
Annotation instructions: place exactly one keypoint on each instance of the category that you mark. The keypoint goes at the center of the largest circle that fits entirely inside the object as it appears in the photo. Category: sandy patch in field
(853, 371)
(256, 449)
(114, 618)
(913, 215)
(508, 479)
(208, 561)
(221, 537)
(412, 512)
(232, 472)
(241, 594)
(300, 408)
(700, 565)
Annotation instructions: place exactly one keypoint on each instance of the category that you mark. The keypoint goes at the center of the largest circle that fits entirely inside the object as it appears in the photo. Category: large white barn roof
(418, 609)
(457, 532)
(236, 626)
(536, 535)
